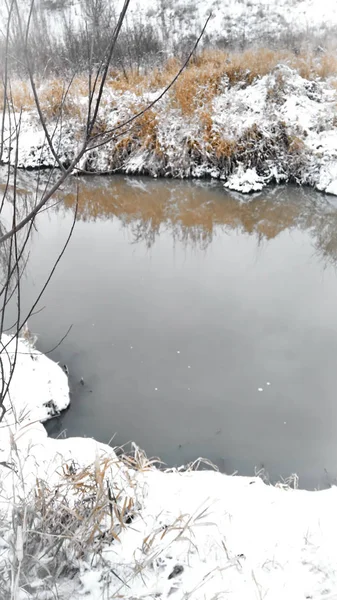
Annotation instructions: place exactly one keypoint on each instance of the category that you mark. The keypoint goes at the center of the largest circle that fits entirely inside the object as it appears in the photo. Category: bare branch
(155, 101)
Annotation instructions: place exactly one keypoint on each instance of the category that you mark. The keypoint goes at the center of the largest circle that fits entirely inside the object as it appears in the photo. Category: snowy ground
(198, 535)
(281, 127)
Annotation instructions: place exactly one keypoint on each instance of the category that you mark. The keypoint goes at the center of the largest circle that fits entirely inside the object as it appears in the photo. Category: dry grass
(61, 531)
(222, 148)
(296, 145)
(54, 95)
(198, 84)
(212, 69)
(20, 95)
(145, 129)
(141, 135)
(55, 526)
(204, 77)
(208, 75)
(58, 525)
(310, 66)
(56, 99)
(123, 81)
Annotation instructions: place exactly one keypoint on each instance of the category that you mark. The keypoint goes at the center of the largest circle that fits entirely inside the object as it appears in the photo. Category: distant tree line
(61, 42)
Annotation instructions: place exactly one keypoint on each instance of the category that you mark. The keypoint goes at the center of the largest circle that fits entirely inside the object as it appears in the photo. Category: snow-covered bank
(87, 522)
(278, 128)
(35, 370)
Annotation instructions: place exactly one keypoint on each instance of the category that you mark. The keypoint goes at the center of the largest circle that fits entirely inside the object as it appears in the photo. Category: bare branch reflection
(324, 234)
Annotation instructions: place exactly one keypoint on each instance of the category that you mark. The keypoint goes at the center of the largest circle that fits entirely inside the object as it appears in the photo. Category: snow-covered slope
(46, 382)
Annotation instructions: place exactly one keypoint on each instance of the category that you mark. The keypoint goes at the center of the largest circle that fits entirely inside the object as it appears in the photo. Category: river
(204, 323)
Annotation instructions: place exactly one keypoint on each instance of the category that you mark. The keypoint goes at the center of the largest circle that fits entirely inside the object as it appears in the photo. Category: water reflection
(175, 344)
(186, 210)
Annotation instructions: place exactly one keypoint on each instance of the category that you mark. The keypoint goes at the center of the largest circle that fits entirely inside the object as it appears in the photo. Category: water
(202, 325)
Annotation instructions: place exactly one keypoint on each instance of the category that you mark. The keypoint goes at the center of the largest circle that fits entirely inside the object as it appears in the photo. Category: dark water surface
(186, 302)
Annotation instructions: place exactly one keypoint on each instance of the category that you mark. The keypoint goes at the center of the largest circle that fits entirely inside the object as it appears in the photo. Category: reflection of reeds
(193, 213)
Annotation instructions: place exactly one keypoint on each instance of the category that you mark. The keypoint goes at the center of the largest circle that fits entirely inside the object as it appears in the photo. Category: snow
(47, 381)
(277, 107)
(195, 534)
(282, 127)
(245, 181)
(233, 536)
(231, 20)
(328, 177)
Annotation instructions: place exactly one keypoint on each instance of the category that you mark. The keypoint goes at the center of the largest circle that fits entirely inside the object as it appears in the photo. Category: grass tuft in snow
(57, 527)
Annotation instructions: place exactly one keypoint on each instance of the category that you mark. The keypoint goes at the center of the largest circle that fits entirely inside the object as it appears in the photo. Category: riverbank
(250, 120)
(79, 520)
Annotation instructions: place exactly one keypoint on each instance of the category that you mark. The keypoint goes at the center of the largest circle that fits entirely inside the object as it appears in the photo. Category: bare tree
(19, 211)
(18, 215)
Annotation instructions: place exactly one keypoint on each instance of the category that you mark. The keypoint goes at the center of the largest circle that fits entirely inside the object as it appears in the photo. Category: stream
(204, 323)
